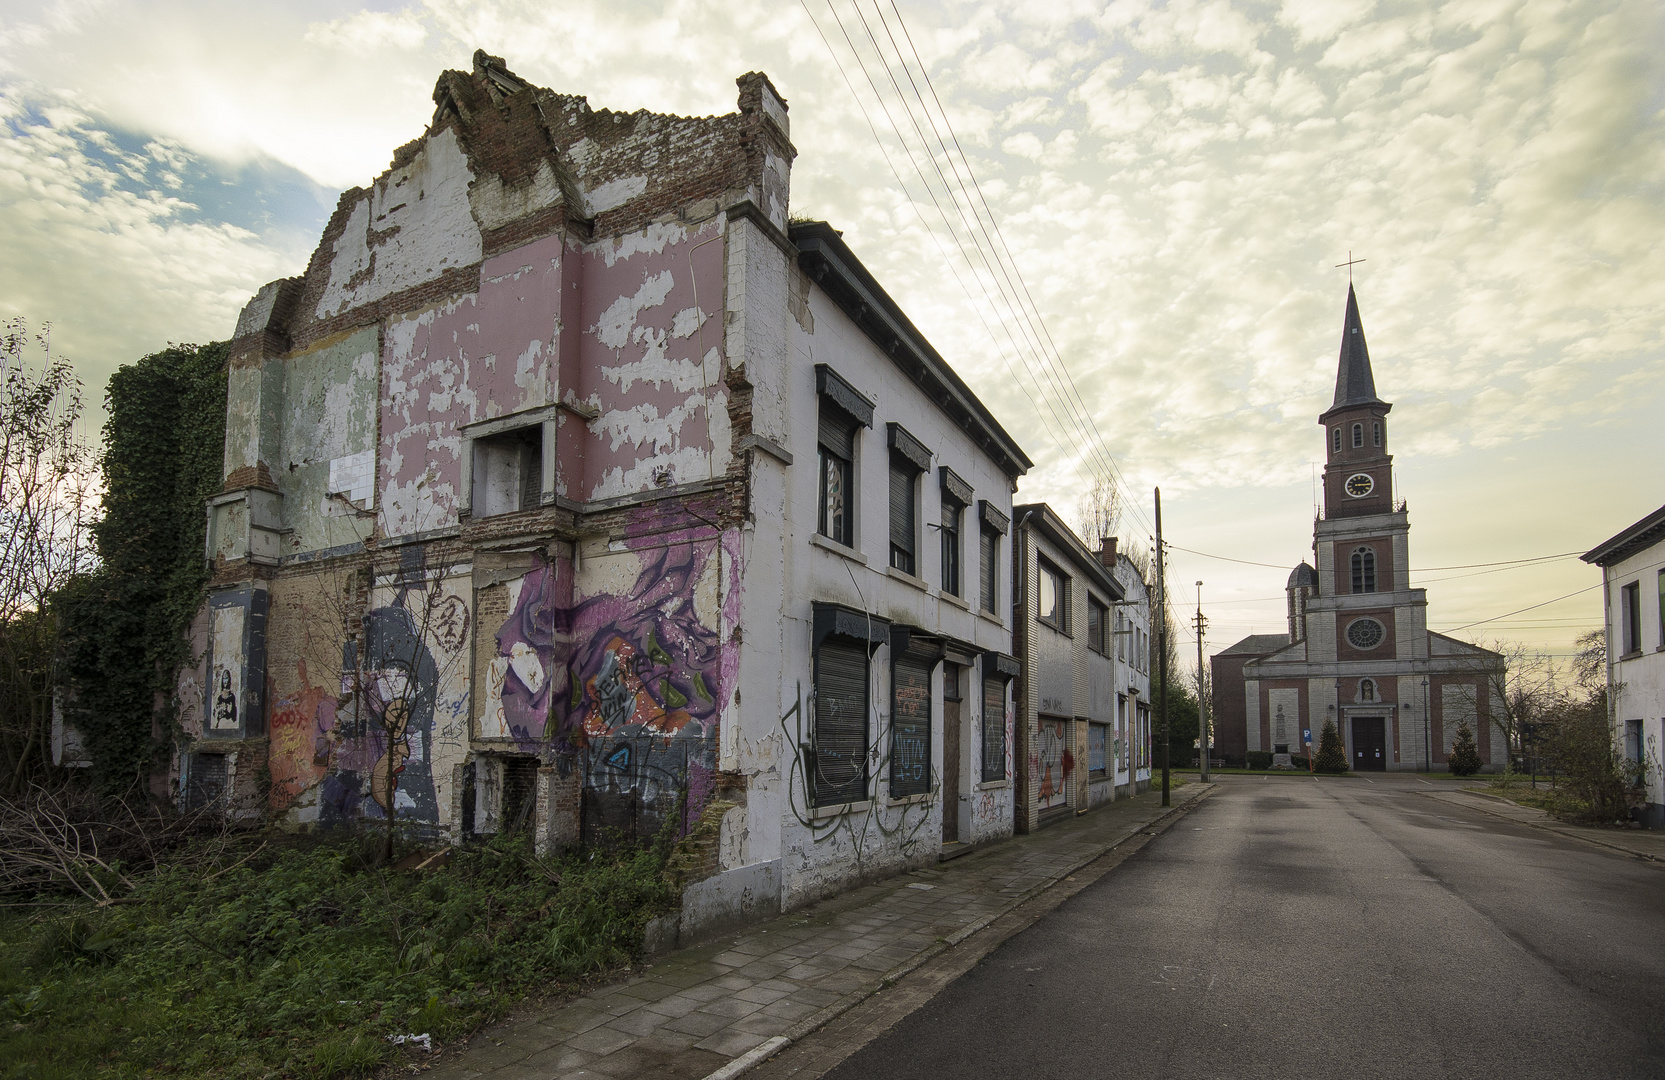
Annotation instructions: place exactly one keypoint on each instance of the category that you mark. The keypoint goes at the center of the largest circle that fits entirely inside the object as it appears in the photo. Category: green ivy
(127, 624)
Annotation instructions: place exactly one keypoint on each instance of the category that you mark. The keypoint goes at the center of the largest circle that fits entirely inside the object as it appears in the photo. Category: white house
(1633, 601)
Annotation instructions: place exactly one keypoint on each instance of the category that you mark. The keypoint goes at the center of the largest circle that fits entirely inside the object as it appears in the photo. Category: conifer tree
(1332, 758)
(1465, 756)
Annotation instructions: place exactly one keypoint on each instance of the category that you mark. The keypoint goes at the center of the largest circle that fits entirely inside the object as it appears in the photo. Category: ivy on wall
(127, 623)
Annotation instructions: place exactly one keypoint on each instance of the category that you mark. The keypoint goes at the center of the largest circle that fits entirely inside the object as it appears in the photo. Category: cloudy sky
(1175, 182)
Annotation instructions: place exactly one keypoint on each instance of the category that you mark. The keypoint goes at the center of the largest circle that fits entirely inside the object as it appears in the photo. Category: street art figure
(225, 702)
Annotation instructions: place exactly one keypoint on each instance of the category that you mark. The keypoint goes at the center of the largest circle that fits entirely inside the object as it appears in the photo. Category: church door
(1369, 744)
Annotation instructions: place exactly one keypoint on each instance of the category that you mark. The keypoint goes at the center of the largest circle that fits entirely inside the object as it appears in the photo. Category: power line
(1517, 611)
(1415, 570)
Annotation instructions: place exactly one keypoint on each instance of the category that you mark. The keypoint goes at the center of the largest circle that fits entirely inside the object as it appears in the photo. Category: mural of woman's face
(225, 678)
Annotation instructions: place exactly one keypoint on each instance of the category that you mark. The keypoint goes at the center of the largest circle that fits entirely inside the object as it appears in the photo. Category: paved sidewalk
(747, 995)
(1642, 843)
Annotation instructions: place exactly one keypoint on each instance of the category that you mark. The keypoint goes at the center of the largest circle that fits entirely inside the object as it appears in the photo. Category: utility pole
(1161, 615)
(1202, 705)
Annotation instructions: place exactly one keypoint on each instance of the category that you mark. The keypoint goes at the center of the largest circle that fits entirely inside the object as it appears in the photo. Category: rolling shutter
(837, 433)
(901, 517)
(994, 729)
(910, 726)
(985, 556)
(840, 759)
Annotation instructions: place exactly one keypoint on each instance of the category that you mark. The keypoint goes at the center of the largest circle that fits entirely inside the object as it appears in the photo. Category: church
(1357, 650)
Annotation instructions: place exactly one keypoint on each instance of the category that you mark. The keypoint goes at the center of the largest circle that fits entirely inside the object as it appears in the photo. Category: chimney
(1107, 551)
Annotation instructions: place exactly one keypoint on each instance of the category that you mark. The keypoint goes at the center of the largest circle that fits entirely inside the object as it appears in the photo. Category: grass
(303, 963)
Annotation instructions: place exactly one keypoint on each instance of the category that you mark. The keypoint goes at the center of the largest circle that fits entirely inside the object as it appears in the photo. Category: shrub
(1464, 759)
(1259, 759)
(1332, 756)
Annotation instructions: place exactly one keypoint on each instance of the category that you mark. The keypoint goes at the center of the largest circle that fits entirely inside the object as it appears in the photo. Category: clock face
(1360, 484)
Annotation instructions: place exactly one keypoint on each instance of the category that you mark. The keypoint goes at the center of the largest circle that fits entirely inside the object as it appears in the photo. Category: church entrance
(1369, 744)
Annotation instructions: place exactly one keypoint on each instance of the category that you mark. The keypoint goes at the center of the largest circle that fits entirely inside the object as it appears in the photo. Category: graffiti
(225, 702)
(227, 648)
(1051, 763)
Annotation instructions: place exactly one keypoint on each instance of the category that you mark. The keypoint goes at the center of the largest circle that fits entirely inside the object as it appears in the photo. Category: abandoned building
(1082, 712)
(575, 488)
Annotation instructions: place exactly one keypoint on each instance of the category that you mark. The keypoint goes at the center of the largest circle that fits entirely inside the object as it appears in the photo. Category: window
(910, 725)
(1097, 743)
(1630, 615)
(836, 497)
(508, 471)
(994, 729)
(1123, 744)
(1096, 618)
(206, 780)
(1364, 570)
(1335, 441)
(908, 458)
(951, 547)
(1053, 603)
(1662, 609)
(1121, 636)
(1358, 436)
(1376, 432)
(988, 546)
(902, 531)
(1633, 741)
(839, 760)
(1365, 634)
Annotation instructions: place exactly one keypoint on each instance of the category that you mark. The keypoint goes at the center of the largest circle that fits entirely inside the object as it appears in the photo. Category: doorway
(1369, 744)
(950, 753)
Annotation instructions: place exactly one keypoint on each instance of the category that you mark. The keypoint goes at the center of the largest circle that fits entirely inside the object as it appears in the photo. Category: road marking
(1368, 780)
(1420, 780)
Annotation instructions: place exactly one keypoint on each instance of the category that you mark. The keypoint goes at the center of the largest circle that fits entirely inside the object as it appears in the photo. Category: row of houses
(577, 487)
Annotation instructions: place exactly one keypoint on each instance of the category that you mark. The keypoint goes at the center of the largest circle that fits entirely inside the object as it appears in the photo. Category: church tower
(1358, 652)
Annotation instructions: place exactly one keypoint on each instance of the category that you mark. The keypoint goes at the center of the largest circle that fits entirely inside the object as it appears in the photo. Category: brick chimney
(1107, 551)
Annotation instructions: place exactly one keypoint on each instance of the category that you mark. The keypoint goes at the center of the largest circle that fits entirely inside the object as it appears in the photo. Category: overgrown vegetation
(246, 957)
(125, 625)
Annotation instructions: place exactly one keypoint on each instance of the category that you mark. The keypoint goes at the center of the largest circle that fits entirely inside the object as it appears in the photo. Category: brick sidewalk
(1642, 843)
(699, 1009)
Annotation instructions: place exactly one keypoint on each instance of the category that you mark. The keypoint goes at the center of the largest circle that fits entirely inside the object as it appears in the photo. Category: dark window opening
(836, 497)
(1376, 432)
(1630, 611)
(951, 512)
(1364, 570)
(1096, 625)
(838, 758)
(1335, 441)
(520, 795)
(208, 781)
(1358, 436)
(508, 471)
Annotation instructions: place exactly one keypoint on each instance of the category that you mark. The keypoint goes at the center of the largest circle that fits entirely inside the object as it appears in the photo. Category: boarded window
(994, 729)
(903, 528)
(910, 726)
(987, 546)
(840, 751)
(207, 782)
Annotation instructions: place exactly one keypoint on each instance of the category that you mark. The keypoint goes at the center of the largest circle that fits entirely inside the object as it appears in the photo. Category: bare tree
(46, 482)
(1099, 512)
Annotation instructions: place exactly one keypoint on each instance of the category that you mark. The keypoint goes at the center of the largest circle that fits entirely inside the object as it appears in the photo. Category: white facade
(804, 587)
(1633, 598)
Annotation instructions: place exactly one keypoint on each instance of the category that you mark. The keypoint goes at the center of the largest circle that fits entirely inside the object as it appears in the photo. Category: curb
(1548, 827)
(817, 1020)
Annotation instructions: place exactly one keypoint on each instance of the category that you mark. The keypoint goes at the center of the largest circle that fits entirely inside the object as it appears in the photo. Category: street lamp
(1427, 732)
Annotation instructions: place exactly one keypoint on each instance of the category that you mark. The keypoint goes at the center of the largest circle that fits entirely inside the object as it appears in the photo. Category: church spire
(1354, 382)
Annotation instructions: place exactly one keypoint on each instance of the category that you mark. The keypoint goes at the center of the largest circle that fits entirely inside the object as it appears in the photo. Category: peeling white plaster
(414, 224)
(650, 241)
(497, 204)
(615, 193)
(655, 367)
(613, 330)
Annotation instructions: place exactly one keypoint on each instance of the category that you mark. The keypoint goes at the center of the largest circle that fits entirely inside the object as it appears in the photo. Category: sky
(1173, 184)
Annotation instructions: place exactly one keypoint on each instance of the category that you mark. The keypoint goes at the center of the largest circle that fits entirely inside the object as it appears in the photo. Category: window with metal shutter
(837, 433)
(994, 729)
(985, 556)
(902, 549)
(840, 760)
(910, 726)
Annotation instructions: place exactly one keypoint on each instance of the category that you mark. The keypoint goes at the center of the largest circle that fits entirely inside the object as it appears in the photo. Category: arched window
(1364, 570)
(1376, 432)
(1367, 689)
(1335, 441)
(1358, 436)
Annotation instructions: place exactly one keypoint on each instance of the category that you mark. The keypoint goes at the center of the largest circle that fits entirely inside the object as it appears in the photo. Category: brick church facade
(1357, 650)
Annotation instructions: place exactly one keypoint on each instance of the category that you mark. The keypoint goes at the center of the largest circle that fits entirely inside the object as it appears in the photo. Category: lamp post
(1427, 732)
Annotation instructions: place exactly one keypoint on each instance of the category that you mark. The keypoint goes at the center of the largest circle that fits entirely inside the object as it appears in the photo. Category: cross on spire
(1349, 265)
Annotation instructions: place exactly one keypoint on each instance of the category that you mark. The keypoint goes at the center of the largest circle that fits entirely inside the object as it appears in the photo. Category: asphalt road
(1293, 928)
